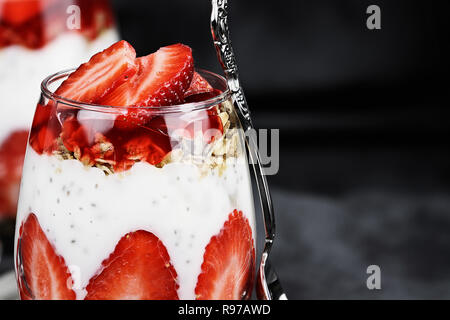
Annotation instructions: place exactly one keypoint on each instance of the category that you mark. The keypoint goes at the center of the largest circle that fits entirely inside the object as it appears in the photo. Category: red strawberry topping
(138, 269)
(104, 72)
(45, 274)
(200, 97)
(129, 132)
(162, 80)
(17, 12)
(12, 153)
(228, 262)
(34, 23)
(198, 85)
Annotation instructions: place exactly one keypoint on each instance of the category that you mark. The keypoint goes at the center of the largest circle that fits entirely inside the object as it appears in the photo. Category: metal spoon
(268, 286)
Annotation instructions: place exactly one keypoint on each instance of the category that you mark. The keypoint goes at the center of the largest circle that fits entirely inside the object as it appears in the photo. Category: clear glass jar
(162, 210)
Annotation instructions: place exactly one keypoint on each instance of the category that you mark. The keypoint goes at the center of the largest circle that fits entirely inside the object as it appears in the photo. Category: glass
(162, 210)
(37, 38)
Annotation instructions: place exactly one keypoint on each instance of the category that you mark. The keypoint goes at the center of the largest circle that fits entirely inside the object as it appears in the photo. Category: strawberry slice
(45, 274)
(200, 97)
(17, 12)
(12, 154)
(162, 79)
(198, 85)
(138, 269)
(228, 262)
(151, 148)
(104, 72)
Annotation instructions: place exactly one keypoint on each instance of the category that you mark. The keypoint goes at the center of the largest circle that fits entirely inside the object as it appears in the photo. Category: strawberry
(97, 16)
(45, 274)
(198, 85)
(104, 72)
(202, 122)
(138, 269)
(43, 140)
(16, 12)
(162, 79)
(44, 114)
(147, 148)
(228, 262)
(74, 135)
(132, 118)
(200, 97)
(45, 128)
(5, 36)
(12, 153)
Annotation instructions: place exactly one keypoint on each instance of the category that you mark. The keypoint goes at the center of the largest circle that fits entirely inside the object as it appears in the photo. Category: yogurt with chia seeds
(84, 212)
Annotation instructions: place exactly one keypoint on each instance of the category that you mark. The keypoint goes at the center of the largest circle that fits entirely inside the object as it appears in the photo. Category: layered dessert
(136, 184)
(37, 38)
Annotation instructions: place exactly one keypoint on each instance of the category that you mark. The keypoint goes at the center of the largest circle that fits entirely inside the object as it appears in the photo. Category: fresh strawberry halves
(103, 73)
(162, 79)
(138, 269)
(45, 274)
(200, 90)
(198, 85)
(228, 262)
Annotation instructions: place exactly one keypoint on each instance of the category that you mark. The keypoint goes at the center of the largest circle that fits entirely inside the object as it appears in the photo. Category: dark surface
(310, 49)
(334, 240)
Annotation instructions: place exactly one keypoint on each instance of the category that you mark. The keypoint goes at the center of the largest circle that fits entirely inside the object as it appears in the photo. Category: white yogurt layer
(22, 71)
(85, 213)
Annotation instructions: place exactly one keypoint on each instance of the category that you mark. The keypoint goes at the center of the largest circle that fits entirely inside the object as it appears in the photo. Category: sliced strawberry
(202, 122)
(104, 72)
(45, 274)
(162, 79)
(138, 269)
(228, 262)
(198, 85)
(12, 153)
(43, 140)
(6, 36)
(17, 12)
(132, 118)
(200, 97)
(97, 16)
(146, 148)
(74, 135)
(44, 114)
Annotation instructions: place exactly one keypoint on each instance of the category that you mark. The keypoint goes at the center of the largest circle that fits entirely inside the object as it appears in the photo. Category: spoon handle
(222, 43)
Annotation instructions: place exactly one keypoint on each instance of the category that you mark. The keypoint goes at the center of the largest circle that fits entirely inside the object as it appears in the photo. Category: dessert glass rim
(184, 107)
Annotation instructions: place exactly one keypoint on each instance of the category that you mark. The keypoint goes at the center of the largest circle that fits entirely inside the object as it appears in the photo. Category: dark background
(365, 174)
(365, 164)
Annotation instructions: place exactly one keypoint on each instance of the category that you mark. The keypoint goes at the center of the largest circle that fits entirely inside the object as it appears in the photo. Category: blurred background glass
(364, 168)
(37, 38)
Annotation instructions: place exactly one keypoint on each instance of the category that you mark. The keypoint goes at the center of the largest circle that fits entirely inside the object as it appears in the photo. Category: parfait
(39, 37)
(136, 184)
